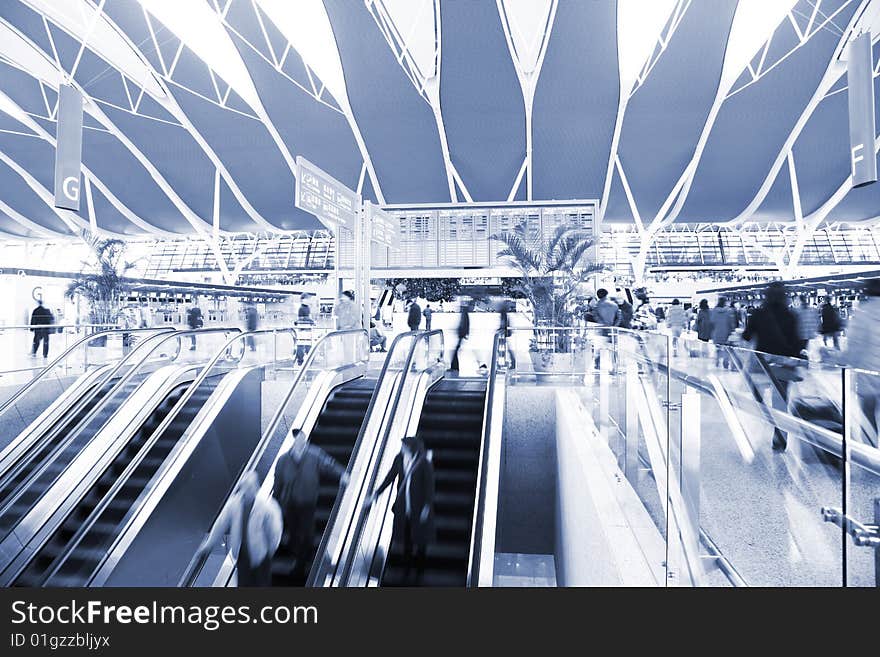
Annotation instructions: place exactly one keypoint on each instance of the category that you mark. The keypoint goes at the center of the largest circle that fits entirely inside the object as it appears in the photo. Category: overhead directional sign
(385, 227)
(320, 194)
(68, 147)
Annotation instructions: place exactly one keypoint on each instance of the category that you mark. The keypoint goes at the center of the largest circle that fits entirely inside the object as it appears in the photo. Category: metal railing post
(690, 466)
(631, 446)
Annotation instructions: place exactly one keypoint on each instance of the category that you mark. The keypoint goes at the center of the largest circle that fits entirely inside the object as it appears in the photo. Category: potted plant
(102, 284)
(550, 274)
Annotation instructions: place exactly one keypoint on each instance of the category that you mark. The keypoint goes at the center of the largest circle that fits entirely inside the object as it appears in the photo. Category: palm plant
(104, 286)
(551, 270)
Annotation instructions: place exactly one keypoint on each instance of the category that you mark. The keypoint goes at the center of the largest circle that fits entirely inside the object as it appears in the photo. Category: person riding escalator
(296, 487)
(413, 506)
(254, 525)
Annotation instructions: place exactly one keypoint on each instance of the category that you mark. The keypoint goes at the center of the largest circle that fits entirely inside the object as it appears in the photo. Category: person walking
(413, 505)
(504, 325)
(251, 321)
(676, 320)
(347, 315)
(304, 323)
(774, 328)
(41, 319)
(464, 329)
(831, 324)
(626, 314)
(254, 524)
(863, 352)
(703, 325)
(606, 313)
(145, 315)
(296, 486)
(414, 316)
(723, 322)
(808, 322)
(427, 312)
(194, 321)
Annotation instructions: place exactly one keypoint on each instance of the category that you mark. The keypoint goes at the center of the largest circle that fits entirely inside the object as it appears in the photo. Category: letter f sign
(857, 153)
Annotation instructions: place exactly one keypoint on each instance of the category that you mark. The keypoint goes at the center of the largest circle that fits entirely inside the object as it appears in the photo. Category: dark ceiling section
(576, 101)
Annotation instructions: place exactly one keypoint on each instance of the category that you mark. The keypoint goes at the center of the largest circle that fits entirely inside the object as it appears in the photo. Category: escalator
(77, 548)
(336, 432)
(451, 427)
(38, 468)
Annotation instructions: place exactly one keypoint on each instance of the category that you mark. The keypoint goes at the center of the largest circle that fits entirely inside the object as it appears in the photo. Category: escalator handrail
(196, 564)
(475, 551)
(51, 366)
(87, 524)
(149, 346)
(378, 447)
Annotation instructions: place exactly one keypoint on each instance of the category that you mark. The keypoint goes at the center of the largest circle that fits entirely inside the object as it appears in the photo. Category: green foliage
(431, 289)
(551, 270)
(105, 284)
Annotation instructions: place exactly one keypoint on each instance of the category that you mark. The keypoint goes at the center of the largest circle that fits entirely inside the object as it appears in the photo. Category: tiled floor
(524, 570)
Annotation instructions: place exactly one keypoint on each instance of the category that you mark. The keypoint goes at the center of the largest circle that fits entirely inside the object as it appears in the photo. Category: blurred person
(605, 311)
(660, 314)
(347, 315)
(377, 338)
(626, 313)
(723, 320)
(194, 321)
(254, 525)
(863, 352)
(646, 315)
(414, 315)
(703, 323)
(413, 505)
(427, 312)
(831, 324)
(504, 308)
(808, 322)
(41, 319)
(774, 327)
(251, 321)
(304, 322)
(145, 316)
(463, 331)
(676, 320)
(296, 487)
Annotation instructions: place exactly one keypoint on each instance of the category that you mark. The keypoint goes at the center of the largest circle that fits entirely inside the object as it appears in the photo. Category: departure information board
(320, 194)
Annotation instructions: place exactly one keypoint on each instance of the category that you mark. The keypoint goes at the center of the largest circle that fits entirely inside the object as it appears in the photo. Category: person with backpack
(298, 473)
(253, 522)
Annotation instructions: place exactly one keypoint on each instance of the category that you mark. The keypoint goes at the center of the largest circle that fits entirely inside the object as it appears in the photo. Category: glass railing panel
(755, 456)
(20, 361)
(86, 364)
(156, 351)
(862, 543)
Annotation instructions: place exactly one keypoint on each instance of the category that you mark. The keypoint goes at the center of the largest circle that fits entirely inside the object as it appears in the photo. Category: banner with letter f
(860, 80)
(68, 148)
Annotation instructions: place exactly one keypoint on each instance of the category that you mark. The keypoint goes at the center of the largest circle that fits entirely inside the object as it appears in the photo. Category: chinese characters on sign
(320, 194)
(385, 227)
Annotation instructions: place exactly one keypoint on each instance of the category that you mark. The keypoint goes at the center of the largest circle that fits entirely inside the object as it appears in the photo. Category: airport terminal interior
(439, 293)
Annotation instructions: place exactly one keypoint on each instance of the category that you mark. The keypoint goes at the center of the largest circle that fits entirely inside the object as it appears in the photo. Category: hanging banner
(68, 148)
(859, 78)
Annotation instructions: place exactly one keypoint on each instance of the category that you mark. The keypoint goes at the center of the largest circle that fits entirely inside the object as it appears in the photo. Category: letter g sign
(71, 188)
